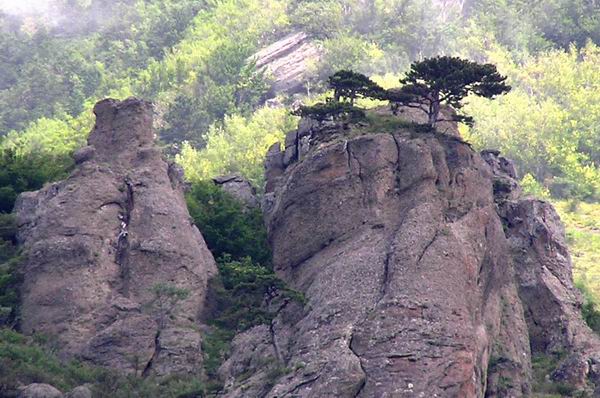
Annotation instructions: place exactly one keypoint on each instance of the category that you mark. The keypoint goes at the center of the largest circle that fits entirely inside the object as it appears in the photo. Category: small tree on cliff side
(165, 301)
(348, 85)
(446, 80)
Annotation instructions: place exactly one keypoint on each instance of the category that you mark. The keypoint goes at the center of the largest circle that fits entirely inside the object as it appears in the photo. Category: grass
(582, 224)
(384, 123)
(25, 360)
(542, 367)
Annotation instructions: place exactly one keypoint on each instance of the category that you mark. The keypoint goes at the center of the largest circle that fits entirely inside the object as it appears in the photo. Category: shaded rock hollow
(98, 242)
(425, 274)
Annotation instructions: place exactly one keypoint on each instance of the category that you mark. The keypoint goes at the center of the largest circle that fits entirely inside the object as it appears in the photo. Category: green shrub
(226, 226)
(340, 111)
(241, 291)
(532, 187)
(23, 361)
(241, 294)
(589, 310)
(27, 173)
(10, 277)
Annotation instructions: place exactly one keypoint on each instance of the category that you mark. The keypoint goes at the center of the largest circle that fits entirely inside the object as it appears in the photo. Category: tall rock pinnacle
(99, 246)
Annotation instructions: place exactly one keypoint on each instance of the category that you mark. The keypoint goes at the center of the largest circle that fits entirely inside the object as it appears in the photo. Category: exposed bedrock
(97, 244)
(418, 283)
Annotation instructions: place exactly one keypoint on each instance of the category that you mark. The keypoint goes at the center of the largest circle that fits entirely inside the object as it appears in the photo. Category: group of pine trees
(429, 84)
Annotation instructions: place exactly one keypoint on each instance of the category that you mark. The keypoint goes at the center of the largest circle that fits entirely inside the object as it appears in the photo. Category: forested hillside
(191, 58)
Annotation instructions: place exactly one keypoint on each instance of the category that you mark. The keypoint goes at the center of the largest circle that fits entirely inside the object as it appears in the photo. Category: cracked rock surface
(97, 242)
(419, 277)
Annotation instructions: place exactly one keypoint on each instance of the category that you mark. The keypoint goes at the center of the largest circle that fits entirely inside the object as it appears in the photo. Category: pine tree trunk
(434, 109)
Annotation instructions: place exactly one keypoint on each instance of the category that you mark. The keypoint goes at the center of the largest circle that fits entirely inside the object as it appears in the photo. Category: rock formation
(238, 187)
(425, 274)
(287, 63)
(99, 244)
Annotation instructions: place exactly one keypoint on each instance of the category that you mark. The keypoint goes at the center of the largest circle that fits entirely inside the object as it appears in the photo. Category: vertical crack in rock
(303, 383)
(385, 280)
(427, 247)
(364, 381)
(386, 274)
(274, 341)
(122, 254)
(360, 175)
(148, 367)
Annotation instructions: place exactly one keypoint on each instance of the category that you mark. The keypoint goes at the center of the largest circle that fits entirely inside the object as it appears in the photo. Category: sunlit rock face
(422, 274)
(97, 243)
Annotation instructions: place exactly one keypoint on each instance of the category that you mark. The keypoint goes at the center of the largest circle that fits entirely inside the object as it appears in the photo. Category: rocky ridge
(425, 271)
(100, 245)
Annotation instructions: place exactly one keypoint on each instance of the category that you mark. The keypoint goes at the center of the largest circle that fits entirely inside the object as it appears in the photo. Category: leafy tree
(348, 85)
(446, 80)
(27, 173)
(548, 123)
(330, 109)
(165, 300)
(226, 225)
(238, 145)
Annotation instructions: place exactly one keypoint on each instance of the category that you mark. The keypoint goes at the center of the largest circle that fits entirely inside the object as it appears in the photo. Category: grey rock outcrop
(238, 187)
(551, 303)
(418, 284)
(287, 62)
(80, 392)
(97, 244)
(38, 390)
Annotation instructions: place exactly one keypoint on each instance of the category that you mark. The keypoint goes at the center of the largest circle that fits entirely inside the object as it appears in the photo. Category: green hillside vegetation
(190, 57)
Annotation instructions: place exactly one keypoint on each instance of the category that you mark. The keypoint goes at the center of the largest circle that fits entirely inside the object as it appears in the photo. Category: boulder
(238, 187)
(80, 392)
(97, 244)
(38, 390)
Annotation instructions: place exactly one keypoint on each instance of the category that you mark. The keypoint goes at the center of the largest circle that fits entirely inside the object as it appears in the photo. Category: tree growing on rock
(349, 85)
(165, 301)
(446, 80)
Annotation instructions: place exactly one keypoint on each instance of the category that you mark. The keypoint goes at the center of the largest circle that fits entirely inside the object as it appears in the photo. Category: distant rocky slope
(426, 274)
(98, 243)
(287, 62)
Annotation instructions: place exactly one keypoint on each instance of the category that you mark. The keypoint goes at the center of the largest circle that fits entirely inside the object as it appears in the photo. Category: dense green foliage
(190, 58)
(331, 109)
(27, 173)
(542, 386)
(10, 275)
(590, 310)
(549, 122)
(432, 82)
(227, 227)
(238, 145)
(349, 85)
(243, 294)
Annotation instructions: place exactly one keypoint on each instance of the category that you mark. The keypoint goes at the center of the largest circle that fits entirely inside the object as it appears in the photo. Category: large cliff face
(98, 244)
(425, 275)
